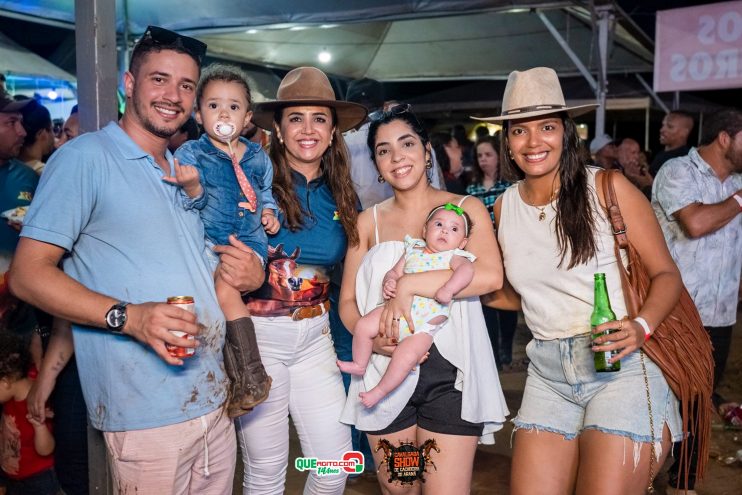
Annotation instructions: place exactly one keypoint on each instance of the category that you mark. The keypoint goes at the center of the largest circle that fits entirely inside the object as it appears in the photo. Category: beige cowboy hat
(532, 93)
(308, 86)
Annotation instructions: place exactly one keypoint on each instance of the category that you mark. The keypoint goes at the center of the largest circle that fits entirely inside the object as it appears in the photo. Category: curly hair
(14, 357)
(728, 120)
(336, 169)
(575, 217)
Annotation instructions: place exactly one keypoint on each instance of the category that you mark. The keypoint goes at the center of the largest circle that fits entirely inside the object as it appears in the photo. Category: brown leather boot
(249, 382)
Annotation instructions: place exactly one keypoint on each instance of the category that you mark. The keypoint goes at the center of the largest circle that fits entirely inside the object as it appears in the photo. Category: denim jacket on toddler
(219, 208)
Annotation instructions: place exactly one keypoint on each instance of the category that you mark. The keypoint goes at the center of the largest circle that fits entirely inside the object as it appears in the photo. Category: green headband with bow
(454, 208)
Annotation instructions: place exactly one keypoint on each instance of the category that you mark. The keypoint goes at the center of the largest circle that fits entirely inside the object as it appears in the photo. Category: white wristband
(647, 332)
(738, 198)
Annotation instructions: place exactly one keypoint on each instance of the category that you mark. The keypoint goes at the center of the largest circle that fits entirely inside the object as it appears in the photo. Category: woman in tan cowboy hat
(318, 212)
(577, 430)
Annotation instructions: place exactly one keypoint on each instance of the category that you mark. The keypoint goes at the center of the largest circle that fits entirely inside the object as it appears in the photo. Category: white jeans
(307, 384)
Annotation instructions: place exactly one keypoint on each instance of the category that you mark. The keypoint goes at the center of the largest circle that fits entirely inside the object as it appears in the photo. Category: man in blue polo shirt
(126, 245)
(17, 185)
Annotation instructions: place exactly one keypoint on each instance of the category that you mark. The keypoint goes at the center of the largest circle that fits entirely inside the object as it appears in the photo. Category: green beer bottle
(602, 313)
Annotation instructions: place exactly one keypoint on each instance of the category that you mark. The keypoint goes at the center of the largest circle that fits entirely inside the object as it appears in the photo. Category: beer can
(187, 303)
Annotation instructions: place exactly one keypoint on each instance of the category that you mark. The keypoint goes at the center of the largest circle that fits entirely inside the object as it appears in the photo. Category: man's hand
(240, 266)
(41, 389)
(185, 176)
(36, 423)
(638, 174)
(269, 221)
(151, 323)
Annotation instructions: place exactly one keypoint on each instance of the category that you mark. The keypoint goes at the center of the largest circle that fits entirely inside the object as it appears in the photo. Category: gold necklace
(542, 209)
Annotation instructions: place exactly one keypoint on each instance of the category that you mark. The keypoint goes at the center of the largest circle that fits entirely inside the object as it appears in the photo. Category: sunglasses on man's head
(162, 37)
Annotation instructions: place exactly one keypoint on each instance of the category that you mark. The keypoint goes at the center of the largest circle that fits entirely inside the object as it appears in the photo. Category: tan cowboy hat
(308, 86)
(532, 93)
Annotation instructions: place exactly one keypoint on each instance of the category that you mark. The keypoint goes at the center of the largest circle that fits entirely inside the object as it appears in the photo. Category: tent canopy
(388, 40)
(16, 60)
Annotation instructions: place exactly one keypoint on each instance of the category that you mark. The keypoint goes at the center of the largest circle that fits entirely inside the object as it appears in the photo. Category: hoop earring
(429, 164)
(510, 154)
(380, 179)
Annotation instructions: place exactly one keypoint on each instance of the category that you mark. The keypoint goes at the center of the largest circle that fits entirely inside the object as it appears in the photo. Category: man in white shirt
(698, 201)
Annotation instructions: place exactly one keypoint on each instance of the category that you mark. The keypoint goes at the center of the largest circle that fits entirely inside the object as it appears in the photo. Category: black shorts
(435, 404)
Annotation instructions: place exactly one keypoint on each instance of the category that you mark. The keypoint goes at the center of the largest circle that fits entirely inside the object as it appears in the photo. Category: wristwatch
(116, 317)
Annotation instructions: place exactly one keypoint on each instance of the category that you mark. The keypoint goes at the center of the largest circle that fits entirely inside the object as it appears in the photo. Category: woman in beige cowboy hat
(577, 430)
(318, 212)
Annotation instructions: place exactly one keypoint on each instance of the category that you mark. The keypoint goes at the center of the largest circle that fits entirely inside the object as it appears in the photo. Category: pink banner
(699, 48)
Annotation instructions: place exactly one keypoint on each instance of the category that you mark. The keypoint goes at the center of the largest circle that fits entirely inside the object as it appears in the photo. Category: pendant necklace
(542, 209)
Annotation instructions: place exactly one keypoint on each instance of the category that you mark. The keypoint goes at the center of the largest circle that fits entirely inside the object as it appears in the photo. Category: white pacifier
(224, 130)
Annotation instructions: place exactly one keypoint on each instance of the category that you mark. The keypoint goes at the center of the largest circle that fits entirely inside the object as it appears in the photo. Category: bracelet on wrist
(643, 323)
(738, 199)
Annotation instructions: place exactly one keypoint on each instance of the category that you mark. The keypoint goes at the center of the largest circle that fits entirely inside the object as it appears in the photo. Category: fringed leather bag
(680, 345)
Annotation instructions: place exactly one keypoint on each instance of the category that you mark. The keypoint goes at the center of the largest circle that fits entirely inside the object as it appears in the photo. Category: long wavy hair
(477, 175)
(575, 217)
(335, 167)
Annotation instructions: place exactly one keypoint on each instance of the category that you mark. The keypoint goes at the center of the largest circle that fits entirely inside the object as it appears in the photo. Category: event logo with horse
(407, 463)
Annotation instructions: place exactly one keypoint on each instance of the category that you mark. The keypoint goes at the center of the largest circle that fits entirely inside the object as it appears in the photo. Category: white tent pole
(123, 48)
(605, 17)
(700, 127)
(95, 35)
(651, 92)
(568, 50)
(95, 47)
(646, 128)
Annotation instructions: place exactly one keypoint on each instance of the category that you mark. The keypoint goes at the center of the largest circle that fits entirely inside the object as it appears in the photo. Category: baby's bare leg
(366, 330)
(405, 357)
(230, 299)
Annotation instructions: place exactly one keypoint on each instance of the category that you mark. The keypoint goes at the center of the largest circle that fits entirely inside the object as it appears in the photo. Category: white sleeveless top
(462, 341)
(556, 302)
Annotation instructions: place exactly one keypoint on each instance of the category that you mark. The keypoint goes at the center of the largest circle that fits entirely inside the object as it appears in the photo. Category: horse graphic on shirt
(289, 284)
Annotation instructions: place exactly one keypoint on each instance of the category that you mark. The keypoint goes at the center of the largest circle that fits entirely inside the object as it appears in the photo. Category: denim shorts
(565, 395)
(43, 483)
